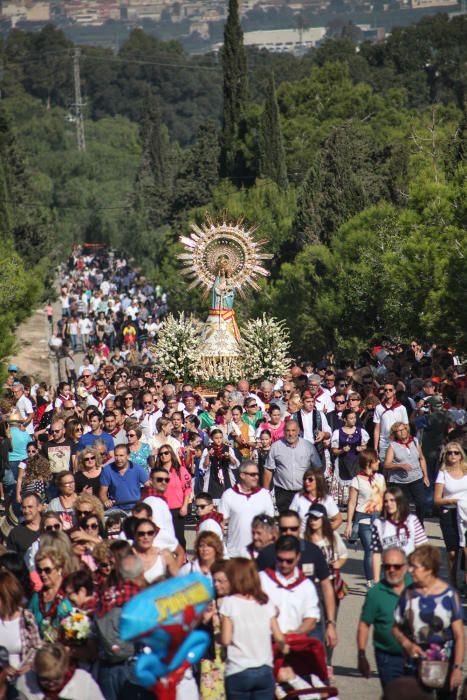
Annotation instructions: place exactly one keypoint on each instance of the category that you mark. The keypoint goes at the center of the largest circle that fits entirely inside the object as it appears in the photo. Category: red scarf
(54, 694)
(236, 488)
(148, 491)
(51, 612)
(371, 477)
(288, 587)
(396, 404)
(406, 444)
(213, 515)
(401, 525)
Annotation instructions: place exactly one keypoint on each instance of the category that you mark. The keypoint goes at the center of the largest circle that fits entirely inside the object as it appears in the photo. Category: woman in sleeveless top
(346, 444)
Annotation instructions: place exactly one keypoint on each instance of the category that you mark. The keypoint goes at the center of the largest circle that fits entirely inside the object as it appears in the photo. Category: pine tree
(272, 154)
(235, 93)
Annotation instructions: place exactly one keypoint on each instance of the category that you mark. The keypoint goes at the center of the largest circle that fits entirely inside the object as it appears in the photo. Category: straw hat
(8, 522)
(14, 417)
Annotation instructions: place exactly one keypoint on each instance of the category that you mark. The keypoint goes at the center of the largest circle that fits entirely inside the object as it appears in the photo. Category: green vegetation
(351, 163)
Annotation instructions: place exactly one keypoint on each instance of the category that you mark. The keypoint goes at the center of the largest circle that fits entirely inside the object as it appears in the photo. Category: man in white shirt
(290, 590)
(240, 504)
(149, 416)
(314, 426)
(322, 397)
(161, 514)
(387, 413)
(24, 406)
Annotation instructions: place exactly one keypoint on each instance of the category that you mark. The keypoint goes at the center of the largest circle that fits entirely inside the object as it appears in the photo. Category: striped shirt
(406, 536)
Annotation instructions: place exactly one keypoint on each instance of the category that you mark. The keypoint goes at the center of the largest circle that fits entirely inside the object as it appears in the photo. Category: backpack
(112, 649)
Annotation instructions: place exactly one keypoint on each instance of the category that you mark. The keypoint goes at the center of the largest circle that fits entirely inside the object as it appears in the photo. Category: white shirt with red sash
(386, 416)
(323, 401)
(239, 509)
(295, 597)
(161, 515)
(99, 401)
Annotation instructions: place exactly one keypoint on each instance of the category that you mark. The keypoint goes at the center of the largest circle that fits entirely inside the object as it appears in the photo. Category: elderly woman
(65, 501)
(54, 677)
(50, 605)
(429, 620)
(140, 452)
(87, 478)
(405, 466)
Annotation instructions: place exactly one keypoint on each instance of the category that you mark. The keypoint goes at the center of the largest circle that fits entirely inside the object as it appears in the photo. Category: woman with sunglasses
(158, 564)
(319, 531)
(164, 427)
(178, 493)
(89, 468)
(396, 527)
(140, 452)
(315, 491)
(129, 405)
(74, 431)
(65, 501)
(251, 417)
(34, 474)
(50, 605)
(346, 444)
(84, 538)
(451, 487)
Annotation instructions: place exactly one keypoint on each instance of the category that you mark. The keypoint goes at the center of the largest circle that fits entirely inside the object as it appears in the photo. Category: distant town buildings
(198, 16)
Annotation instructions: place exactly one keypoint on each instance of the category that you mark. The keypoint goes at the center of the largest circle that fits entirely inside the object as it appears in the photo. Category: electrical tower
(79, 116)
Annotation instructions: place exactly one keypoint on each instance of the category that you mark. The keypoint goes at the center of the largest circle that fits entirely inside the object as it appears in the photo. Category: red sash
(213, 515)
(227, 315)
(236, 488)
(272, 575)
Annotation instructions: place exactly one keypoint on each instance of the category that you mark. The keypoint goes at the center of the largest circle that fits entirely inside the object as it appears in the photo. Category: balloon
(162, 618)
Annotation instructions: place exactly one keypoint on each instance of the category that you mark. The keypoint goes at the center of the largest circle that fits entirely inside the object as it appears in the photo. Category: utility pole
(78, 102)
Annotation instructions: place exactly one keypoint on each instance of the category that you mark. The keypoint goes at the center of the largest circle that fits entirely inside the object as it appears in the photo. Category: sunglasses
(397, 567)
(89, 459)
(104, 565)
(91, 526)
(340, 402)
(147, 403)
(253, 405)
(309, 478)
(289, 528)
(453, 452)
(131, 434)
(251, 473)
(164, 453)
(128, 398)
(285, 560)
(54, 432)
(80, 542)
(51, 528)
(146, 533)
(46, 570)
(162, 480)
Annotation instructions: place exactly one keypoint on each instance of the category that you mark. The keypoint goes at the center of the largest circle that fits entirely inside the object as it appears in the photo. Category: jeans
(389, 666)
(415, 492)
(10, 478)
(251, 684)
(363, 530)
(118, 682)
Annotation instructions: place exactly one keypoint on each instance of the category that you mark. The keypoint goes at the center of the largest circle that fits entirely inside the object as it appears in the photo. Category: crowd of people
(109, 478)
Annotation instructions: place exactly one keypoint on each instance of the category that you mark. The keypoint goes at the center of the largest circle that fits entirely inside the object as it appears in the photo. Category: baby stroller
(307, 659)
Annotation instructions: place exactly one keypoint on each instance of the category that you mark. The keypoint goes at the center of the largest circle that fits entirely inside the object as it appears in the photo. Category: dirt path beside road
(32, 356)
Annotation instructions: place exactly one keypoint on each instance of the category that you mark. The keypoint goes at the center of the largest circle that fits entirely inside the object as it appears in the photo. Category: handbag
(433, 674)
(341, 589)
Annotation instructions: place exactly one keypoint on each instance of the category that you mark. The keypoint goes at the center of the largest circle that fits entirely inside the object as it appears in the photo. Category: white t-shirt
(453, 488)
(302, 505)
(251, 645)
(309, 428)
(384, 535)
(294, 604)
(369, 496)
(239, 510)
(10, 639)
(161, 516)
(386, 417)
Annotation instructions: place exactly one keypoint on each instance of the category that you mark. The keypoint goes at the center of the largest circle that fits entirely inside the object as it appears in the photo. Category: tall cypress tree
(235, 92)
(272, 154)
(155, 173)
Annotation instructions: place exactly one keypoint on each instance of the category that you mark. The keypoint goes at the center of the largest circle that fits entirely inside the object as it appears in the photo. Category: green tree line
(350, 160)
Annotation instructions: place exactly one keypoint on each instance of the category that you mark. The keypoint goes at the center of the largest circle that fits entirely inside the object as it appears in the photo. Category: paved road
(351, 685)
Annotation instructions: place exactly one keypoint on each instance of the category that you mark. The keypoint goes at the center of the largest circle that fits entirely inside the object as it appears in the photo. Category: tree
(272, 154)
(235, 94)
(199, 172)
